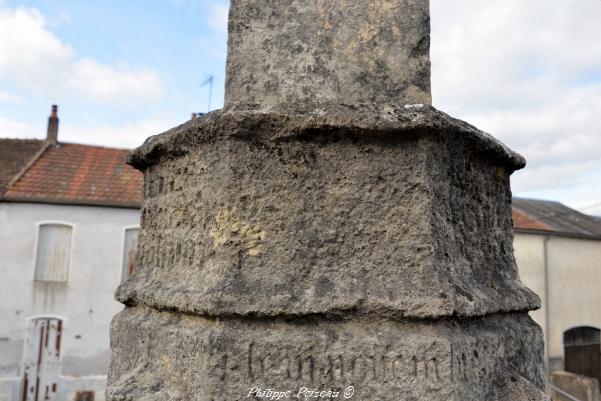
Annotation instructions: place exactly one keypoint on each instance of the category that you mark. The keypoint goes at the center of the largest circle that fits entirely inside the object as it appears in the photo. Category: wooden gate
(583, 351)
(41, 359)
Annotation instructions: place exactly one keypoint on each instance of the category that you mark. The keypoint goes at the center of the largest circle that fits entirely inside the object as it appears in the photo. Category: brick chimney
(52, 133)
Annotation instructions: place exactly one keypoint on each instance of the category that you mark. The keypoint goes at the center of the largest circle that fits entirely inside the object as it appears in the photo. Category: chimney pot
(52, 132)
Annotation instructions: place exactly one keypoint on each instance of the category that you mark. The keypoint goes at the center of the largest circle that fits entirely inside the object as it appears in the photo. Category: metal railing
(564, 394)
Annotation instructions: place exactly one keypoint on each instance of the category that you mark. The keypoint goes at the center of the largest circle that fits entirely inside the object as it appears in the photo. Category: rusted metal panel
(41, 360)
(53, 253)
(84, 396)
(130, 252)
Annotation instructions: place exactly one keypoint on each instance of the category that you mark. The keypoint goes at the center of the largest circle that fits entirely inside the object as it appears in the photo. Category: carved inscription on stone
(393, 365)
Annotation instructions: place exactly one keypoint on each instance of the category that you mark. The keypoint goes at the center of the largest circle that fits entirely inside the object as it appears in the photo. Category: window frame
(44, 316)
(41, 223)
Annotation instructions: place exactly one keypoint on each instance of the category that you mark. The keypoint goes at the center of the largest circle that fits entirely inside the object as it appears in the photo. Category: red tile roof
(15, 155)
(522, 221)
(79, 174)
(543, 215)
(93, 175)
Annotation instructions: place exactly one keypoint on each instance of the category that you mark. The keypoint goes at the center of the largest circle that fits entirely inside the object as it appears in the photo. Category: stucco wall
(87, 306)
(85, 302)
(574, 275)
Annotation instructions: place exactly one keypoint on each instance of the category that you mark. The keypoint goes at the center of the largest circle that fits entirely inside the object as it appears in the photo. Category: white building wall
(85, 301)
(574, 278)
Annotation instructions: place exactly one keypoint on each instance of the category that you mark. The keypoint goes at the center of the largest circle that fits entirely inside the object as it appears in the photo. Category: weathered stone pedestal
(363, 249)
(178, 357)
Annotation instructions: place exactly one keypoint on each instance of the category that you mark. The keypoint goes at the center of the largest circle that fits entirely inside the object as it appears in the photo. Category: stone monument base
(361, 251)
(165, 356)
(402, 212)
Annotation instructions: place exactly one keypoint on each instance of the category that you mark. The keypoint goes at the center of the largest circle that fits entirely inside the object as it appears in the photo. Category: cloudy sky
(528, 72)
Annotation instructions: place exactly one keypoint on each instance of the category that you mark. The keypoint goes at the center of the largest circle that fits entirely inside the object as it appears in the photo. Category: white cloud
(214, 42)
(529, 73)
(511, 52)
(128, 135)
(218, 17)
(29, 54)
(15, 129)
(32, 57)
(7, 97)
(107, 83)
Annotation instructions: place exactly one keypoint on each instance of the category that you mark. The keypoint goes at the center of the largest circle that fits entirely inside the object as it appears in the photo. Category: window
(53, 252)
(130, 251)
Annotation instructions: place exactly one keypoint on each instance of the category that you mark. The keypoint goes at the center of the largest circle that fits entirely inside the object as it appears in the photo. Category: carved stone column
(328, 230)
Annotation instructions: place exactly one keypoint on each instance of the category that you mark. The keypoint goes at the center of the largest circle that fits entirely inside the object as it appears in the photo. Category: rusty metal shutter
(41, 360)
(130, 251)
(84, 396)
(53, 252)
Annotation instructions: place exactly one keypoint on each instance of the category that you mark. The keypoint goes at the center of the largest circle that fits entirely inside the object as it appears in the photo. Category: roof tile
(80, 174)
(93, 175)
(15, 155)
(524, 222)
(530, 214)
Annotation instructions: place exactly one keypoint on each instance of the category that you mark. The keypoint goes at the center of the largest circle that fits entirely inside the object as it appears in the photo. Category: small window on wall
(53, 252)
(130, 251)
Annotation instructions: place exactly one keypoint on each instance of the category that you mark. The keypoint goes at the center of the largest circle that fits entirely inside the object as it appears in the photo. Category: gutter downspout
(547, 303)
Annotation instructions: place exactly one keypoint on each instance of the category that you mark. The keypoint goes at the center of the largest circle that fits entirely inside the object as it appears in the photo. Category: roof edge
(28, 165)
(554, 233)
(80, 202)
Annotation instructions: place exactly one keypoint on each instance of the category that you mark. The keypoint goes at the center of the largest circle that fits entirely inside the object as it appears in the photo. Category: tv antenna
(209, 81)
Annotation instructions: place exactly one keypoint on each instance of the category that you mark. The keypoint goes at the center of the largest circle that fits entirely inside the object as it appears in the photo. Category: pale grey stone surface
(321, 232)
(340, 229)
(410, 219)
(332, 51)
(166, 356)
